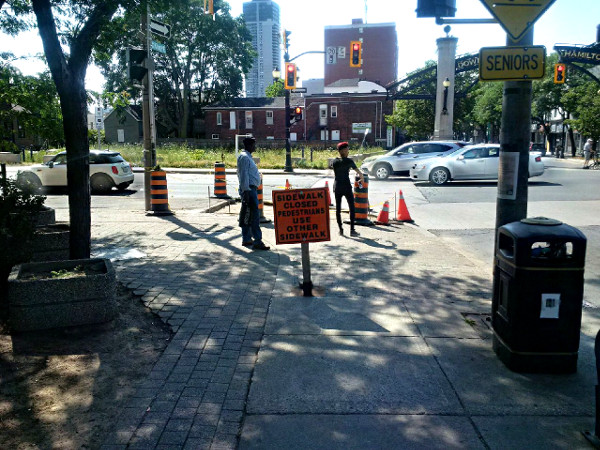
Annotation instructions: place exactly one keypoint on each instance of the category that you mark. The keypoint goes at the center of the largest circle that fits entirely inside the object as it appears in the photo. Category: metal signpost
(302, 216)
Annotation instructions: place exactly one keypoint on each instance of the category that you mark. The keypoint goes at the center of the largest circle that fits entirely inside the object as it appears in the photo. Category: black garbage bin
(538, 295)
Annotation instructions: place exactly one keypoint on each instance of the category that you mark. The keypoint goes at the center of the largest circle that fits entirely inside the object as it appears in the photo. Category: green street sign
(158, 47)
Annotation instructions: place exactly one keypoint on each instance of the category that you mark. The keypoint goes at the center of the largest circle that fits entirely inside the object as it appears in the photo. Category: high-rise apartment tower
(262, 19)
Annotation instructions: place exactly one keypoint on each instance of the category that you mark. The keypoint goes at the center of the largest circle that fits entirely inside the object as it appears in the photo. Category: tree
(488, 107)
(33, 101)
(586, 103)
(277, 89)
(204, 62)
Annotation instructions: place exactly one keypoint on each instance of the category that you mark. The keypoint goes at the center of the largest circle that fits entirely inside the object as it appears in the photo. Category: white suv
(107, 170)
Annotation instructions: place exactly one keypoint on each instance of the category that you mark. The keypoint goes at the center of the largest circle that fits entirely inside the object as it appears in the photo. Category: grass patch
(187, 157)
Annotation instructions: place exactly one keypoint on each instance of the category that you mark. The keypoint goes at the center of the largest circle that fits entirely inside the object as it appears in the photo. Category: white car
(107, 170)
(473, 162)
(399, 160)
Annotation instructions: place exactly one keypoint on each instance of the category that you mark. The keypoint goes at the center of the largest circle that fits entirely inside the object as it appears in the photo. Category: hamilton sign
(580, 54)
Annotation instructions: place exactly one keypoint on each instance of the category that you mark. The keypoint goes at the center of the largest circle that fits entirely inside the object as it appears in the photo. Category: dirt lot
(64, 388)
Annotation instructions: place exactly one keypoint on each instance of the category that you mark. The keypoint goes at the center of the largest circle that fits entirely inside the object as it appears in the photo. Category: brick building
(326, 118)
(379, 52)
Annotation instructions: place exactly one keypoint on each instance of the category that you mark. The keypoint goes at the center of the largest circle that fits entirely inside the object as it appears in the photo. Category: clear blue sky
(567, 21)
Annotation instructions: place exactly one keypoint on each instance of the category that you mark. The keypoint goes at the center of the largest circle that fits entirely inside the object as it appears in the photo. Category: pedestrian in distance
(342, 187)
(587, 151)
(249, 178)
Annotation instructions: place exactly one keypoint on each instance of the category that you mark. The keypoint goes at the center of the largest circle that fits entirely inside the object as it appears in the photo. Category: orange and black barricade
(361, 201)
(220, 181)
(159, 194)
(261, 203)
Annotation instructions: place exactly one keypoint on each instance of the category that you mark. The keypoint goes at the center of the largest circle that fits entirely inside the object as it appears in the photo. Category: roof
(345, 82)
(134, 111)
(255, 103)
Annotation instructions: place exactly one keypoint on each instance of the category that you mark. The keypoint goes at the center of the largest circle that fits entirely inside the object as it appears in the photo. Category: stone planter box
(7, 157)
(50, 243)
(37, 301)
(47, 216)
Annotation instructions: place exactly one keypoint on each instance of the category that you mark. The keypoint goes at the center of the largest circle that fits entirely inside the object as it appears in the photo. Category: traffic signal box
(355, 53)
(290, 76)
(296, 114)
(560, 71)
(136, 70)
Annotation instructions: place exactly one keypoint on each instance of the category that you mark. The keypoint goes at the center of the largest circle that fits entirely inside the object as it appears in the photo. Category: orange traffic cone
(384, 215)
(328, 194)
(287, 184)
(403, 214)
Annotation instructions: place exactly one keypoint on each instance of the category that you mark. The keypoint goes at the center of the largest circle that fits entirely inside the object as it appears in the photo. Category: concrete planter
(50, 243)
(37, 302)
(46, 216)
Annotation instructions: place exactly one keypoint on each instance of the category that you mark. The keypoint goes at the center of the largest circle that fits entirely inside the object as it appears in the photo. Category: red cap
(342, 145)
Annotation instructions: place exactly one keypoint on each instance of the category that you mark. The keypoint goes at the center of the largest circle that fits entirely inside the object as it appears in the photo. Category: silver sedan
(473, 162)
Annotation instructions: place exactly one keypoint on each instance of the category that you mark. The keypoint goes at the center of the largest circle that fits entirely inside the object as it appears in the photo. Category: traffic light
(136, 57)
(296, 114)
(285, 39)
(355, 53)
(290, 76)
(436, 8)
(560, 71)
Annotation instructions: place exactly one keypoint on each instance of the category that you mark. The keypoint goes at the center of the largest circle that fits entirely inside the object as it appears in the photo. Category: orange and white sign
(301, 216)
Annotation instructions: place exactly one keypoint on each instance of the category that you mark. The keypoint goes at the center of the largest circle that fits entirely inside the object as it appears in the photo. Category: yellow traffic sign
(512, 63)
(516, 16)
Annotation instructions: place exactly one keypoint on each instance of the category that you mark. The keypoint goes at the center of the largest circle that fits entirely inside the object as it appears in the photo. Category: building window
(232, 124)
(269, 117)
(248, 119)
(215, 136)
(323, 111)
(334, 111)
(219, 118)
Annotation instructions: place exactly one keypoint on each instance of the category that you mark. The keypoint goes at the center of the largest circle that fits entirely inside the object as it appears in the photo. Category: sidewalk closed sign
(301, 216)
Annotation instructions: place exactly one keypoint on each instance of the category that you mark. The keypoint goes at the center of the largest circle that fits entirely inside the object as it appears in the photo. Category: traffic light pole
(511, 203)
(148, 110)
(288, 149)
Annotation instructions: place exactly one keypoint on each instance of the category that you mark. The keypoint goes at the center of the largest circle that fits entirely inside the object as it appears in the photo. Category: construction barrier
(159, 194)
(261, 203)
(287, 184)
(384, 215)
(220, 181)
(403, 214)
(361, 201)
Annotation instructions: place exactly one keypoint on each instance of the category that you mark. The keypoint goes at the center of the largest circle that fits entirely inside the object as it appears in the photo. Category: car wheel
(29, 182)
(101, 183)
(382, 171)
(439, 176)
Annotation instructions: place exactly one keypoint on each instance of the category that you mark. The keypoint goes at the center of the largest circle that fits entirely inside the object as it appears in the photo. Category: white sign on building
(331, 55)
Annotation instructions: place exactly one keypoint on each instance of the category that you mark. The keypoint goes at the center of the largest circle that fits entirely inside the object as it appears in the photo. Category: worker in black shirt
(342, 186)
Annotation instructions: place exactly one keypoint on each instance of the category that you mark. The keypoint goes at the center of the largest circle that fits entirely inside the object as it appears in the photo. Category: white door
(324, 135)
(335, 135)
(293, 136)
(121, 136)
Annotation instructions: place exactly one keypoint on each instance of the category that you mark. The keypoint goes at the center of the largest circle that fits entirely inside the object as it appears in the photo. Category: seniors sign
(301, 216)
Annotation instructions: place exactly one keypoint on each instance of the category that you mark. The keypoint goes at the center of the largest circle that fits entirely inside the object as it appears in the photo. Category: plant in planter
(18, 209)
(55, 294)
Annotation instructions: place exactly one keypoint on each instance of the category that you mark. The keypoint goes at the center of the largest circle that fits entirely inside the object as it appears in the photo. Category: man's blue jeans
(252, 230)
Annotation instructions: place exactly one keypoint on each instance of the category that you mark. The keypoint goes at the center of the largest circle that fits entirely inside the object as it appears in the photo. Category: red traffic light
(559, 73)
(298, 110)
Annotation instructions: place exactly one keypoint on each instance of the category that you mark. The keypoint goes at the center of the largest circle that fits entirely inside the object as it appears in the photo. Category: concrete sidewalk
(394, 352)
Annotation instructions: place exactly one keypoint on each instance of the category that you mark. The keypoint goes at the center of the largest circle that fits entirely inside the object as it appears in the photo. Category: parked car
(399, 160)
(473, 162)
(107, 170)
(537, 147)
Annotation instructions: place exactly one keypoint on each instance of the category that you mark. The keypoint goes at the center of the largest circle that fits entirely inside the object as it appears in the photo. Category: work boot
(353, 232)
(341, 231)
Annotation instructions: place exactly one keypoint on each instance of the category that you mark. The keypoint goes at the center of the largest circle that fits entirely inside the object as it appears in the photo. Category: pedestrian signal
(136, 67)
(559, 73)
(296, 114)
(355, 53)
(290, 76)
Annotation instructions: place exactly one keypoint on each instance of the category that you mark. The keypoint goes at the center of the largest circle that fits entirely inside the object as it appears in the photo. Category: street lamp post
(446, 85)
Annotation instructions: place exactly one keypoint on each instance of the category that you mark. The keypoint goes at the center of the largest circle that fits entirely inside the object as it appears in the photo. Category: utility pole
(515, 133)
(148, 109)
(288, 149)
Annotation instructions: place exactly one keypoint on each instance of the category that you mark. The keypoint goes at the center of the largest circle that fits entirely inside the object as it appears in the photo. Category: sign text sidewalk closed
(301, 216)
